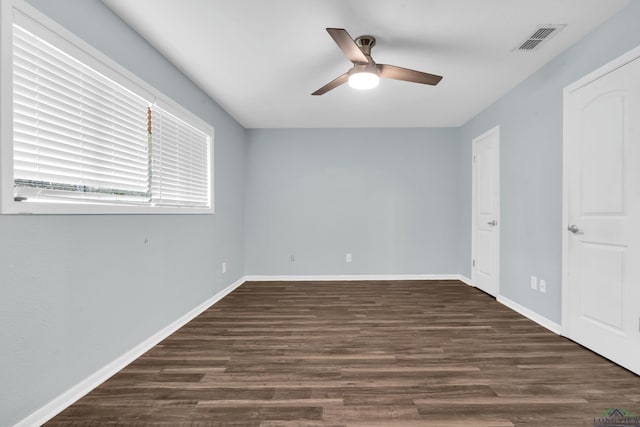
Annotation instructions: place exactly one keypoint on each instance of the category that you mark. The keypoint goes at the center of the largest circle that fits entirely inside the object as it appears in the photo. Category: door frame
(495, 130)
(619, 62)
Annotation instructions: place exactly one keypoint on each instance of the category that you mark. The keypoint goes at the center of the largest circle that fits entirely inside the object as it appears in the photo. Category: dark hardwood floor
(301, 354)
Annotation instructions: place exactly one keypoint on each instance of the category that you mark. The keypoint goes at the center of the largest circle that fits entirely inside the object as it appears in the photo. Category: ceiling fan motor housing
(365, 43)
(364, 68)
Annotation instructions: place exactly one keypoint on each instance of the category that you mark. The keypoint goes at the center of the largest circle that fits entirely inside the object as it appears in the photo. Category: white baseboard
(64, 400)
(352, 277)
(532, 315)
(465, 280)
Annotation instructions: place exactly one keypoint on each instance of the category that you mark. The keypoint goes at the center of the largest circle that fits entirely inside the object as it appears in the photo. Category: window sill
(11, 207)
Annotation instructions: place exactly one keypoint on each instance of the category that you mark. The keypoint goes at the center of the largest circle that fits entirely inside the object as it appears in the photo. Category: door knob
(574, 229)
(492, 223)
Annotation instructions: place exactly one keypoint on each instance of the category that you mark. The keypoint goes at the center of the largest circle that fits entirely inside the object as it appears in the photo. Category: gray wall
(388, 196)
(530, 119)
(76, 292)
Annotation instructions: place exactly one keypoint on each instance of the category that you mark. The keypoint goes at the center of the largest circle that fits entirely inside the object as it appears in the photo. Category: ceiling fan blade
(332, 84)
(348, 46)
(399, 73)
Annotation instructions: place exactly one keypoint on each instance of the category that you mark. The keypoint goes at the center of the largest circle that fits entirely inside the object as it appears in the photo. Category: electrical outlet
(347, 258)
(292, 258)
(543, 286)
(534, 283)
(224, 266)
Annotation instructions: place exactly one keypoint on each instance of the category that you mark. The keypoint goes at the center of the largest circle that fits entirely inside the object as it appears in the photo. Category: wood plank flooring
(405, 354)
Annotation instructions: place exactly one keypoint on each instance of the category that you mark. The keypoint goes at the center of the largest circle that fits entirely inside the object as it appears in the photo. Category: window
(87, 138)
(179, 161)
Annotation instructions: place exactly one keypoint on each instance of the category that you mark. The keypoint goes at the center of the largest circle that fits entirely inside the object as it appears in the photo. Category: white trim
(494, 130)
(70, 396)
(352, 277)
(621, 61)
(466, 280)
(564, 304)
(6, 102)
(532, 315)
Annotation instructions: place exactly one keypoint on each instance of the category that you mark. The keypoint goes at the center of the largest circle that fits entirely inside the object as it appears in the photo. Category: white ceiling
(261, 59)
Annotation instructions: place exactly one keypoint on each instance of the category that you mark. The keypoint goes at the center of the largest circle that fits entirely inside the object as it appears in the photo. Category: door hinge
(473, 263)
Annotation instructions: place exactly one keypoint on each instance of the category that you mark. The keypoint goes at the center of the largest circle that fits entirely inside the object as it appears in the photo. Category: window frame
(25, 15)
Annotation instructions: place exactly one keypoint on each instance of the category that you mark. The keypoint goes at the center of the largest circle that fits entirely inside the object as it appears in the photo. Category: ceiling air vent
(540, 35)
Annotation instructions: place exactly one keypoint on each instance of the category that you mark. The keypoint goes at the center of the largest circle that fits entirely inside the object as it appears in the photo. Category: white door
(601, 293)
(486, 212)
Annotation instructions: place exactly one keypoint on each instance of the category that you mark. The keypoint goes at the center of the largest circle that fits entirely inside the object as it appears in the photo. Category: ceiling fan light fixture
(364, 80)
(364, 76)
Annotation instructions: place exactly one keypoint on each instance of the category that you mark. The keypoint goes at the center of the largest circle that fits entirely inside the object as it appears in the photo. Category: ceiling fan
(365, 73)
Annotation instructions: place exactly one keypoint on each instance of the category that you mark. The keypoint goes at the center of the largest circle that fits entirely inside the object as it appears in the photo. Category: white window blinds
(77, 134)
(81, 138)
(179, 162)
